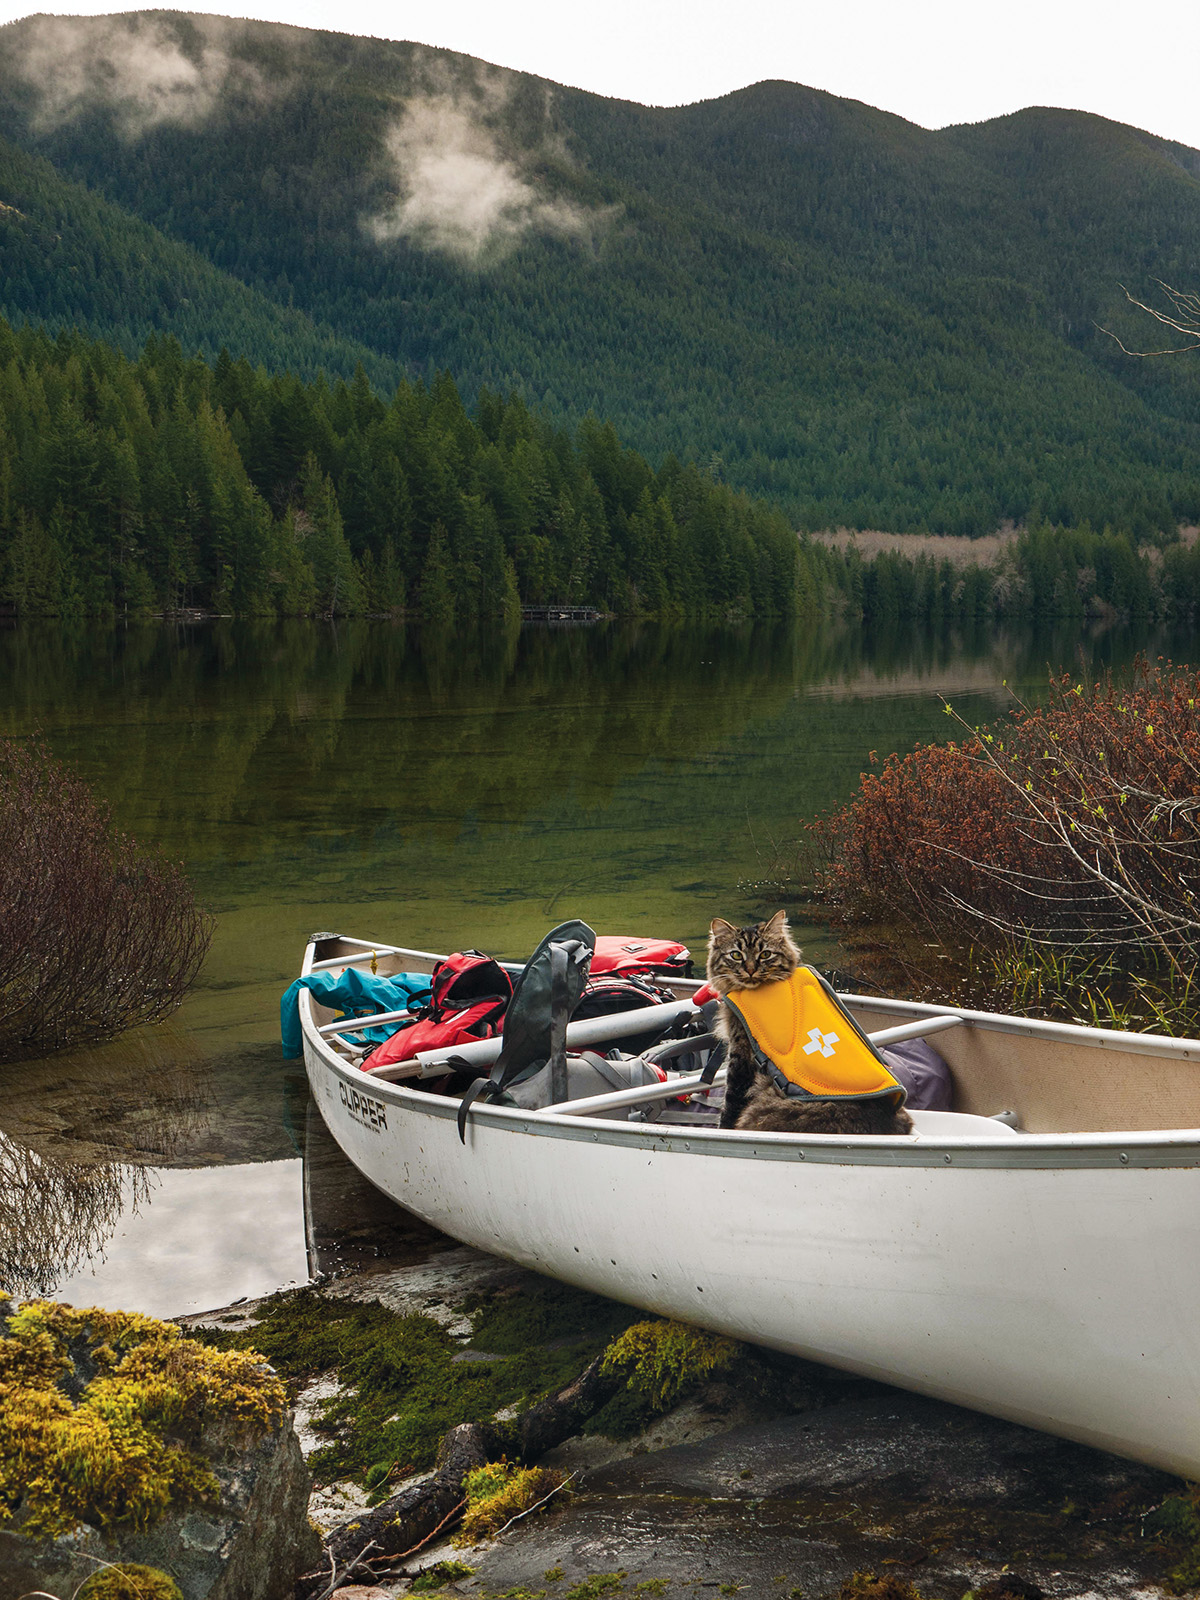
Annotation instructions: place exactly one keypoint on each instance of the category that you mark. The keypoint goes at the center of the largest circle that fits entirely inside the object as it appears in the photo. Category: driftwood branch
(409, 1520)
(402, 1523)
(563, 1414)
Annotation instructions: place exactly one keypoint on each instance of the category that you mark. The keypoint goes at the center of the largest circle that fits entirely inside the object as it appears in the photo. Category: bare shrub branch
(1184, 317)
(1076, 826)
(96, 934)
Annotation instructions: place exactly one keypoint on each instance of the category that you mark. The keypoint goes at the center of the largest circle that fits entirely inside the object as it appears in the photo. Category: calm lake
(436, 792)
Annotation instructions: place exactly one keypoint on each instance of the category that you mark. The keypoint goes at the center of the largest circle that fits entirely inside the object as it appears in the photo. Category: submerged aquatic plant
(1090, 987)
(103, 1414)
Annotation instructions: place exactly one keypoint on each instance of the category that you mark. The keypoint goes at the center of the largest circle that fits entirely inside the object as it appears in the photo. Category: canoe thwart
(915, 1030)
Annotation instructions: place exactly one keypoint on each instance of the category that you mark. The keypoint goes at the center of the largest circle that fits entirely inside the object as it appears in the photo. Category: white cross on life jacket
(820, 1042)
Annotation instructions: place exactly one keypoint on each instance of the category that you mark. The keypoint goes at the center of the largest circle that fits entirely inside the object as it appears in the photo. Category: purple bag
(924, 1075)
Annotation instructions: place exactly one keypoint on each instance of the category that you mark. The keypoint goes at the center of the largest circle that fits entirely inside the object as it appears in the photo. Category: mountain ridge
(874, 323)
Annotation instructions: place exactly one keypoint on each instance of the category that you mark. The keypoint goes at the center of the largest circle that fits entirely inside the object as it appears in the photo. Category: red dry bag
(660, 958)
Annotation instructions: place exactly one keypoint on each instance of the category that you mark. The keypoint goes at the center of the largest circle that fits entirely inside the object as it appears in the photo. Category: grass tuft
(129, 1581)
(661, 1361)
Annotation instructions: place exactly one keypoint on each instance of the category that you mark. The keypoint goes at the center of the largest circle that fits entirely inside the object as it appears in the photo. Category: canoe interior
(1054, 1085)
(1062, 1086)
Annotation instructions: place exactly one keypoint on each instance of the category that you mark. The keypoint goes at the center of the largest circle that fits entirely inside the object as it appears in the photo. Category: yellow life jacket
(809, 1044)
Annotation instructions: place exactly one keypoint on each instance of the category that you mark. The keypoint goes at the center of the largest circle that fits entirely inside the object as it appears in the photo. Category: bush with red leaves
(96, 934)
(1075, 825)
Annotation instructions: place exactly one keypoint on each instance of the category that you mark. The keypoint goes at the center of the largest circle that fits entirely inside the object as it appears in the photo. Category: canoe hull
(1045, 1281)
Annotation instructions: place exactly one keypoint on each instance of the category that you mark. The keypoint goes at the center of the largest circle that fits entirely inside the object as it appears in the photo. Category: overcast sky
(933, 61)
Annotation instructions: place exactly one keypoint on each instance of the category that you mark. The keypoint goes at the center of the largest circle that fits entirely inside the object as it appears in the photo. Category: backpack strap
(559, 956)
(604, 1069)
(535, 1023)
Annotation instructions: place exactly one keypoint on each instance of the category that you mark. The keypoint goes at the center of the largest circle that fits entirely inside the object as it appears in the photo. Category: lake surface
(436, 792)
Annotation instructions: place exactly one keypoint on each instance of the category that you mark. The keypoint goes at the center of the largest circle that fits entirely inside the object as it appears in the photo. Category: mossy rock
(130, 1581)
(124, 1445)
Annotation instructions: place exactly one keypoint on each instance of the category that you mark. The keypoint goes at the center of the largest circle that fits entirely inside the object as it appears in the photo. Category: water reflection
(209, 1236)
(134, 1174)
(349, 1225)
(57, 1215)
(169, 1241)
(145, 1177)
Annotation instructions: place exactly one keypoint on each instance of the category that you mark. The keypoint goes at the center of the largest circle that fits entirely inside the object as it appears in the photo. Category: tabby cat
(747, 958)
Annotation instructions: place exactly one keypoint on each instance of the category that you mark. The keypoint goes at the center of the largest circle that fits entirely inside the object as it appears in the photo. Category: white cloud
(459, 191)
(135, 63)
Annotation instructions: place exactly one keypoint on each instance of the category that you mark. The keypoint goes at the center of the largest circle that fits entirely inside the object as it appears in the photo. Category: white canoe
(1050, 1276)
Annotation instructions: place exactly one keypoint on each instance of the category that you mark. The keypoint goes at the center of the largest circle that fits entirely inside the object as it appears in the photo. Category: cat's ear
(777, 926)
(719, 928)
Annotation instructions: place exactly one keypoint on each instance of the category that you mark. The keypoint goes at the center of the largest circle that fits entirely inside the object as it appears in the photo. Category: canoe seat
(959, 1125)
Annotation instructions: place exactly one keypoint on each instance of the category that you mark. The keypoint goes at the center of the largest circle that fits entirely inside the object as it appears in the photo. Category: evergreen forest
(170, 483)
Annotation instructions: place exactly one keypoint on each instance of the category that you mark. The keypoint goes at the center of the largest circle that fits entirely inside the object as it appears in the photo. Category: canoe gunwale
(1176, 1147)
(1149, 1044)
(1142, 1044)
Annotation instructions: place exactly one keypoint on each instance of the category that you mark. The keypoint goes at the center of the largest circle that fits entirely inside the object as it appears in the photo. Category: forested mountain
(73, 259)
(873, 324)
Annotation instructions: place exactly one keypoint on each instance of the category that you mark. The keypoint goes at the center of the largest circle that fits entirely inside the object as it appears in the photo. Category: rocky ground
(724, 1494)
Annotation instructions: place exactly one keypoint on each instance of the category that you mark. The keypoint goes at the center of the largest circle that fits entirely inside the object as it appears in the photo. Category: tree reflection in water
(55, 1216)
(80, 1134)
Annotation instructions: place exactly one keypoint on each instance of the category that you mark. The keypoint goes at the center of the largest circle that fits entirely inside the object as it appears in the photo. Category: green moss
(661, 1361)
(553, 1575)
(102, 1414)
(1176, 1525)
(595, 1588)
(441, 1572)
(509, 1322)
(402, 1390)
(129, 1581)
(653, 1586)
(500, 1491)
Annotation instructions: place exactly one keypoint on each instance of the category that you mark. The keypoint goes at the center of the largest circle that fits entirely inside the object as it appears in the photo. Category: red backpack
(469, 996)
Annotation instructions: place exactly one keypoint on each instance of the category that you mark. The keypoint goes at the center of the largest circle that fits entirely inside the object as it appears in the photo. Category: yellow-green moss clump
(661, 1360)
(129, 1581)
(500, 1491)
(101, 1414)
